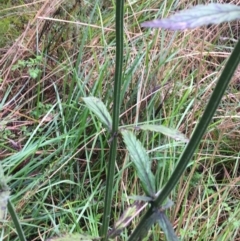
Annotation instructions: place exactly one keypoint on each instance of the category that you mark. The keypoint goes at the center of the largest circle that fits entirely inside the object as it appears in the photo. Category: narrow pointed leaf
(175, 134)
(147, 225)
(141, 160)
(197, 16)
(99, 109)
(166, 226)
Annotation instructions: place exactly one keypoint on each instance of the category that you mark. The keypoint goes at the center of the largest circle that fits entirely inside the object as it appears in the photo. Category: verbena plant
(195, 17)
(157, 199)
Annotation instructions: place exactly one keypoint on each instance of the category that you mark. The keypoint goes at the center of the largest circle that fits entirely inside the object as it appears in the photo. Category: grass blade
(16, 222)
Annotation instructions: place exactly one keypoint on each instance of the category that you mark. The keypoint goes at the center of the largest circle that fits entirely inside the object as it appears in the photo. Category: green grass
(56, 151)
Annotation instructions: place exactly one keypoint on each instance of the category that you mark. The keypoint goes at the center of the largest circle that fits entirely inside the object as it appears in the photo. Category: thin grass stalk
(186, 156)
(115, 123)
(16, 221)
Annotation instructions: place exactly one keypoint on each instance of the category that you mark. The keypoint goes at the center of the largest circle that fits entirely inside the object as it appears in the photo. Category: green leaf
(164, 223)
(141, 160)
(147, 225)
(34, 72)
(166, 226)
(128, 215)
(197, 16)
(175, 134)
(99, 109)
(73, 237)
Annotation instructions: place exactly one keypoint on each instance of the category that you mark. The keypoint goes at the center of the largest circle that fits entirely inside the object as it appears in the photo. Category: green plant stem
(16, 222)
(115, 124)
(186, 156)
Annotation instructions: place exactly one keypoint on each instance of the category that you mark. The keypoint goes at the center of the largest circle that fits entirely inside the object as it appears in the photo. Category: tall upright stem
(115, 124)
